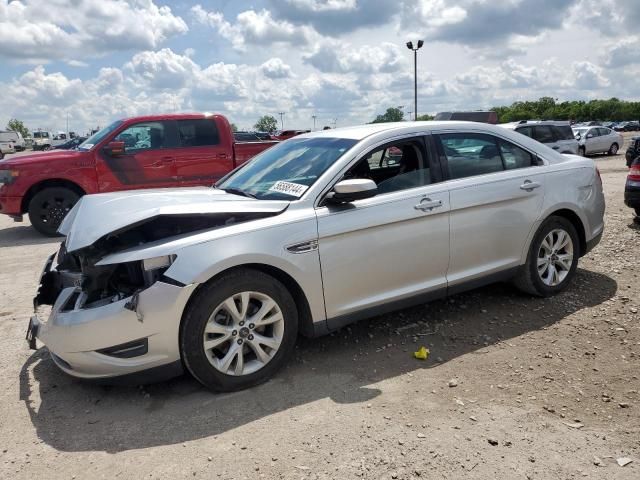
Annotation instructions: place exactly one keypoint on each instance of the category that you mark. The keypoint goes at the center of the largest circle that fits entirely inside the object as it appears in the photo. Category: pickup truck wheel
(552, 259)
(238, 331)
(48, 208)
(613, 150)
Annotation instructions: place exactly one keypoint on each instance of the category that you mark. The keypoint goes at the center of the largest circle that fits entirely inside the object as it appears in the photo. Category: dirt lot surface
(515, 387)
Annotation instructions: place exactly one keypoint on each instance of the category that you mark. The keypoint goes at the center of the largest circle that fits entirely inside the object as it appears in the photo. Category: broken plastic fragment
(422, 353)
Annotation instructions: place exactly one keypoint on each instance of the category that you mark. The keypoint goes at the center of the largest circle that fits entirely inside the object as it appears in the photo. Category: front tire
(238, 331)
(582, 152)
(552, 259)
(48, 208)
(613, 150)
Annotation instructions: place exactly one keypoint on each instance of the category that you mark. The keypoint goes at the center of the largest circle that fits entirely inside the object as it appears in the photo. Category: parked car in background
(631, 126)
(477, 116)
(70, 144)
(6, 148)
(286, 134)
(141, 152)
(263, 135)
(221, 280)
(556, 135)
(251, 136)
(15, 138)
(633, 150)
(598, 140)
(632, 187)
(42, 140)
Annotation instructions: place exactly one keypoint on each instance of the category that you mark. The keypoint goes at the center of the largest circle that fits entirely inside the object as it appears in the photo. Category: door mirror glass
(589, 135)
(347, 191)
(115, 149)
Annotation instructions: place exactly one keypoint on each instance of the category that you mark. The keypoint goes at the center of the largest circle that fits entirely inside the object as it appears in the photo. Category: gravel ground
(515, 387)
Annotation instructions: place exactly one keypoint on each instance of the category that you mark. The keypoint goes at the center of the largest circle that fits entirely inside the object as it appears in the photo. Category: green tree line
(547, 108)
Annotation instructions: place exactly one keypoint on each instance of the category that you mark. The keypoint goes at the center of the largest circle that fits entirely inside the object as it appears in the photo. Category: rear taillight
(634, 173)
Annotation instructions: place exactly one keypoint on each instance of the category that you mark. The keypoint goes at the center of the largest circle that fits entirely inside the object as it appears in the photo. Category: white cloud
(162, 69)
(254, 28)
(338, 57)
(45, 30)
(276, 68)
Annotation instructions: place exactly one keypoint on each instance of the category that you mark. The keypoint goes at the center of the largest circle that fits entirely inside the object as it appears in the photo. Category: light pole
(281, 119)
(314, 121)
(415, 75)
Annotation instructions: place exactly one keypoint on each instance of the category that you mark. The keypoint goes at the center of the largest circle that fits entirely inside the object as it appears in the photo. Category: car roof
(359, 132)
(170, 116)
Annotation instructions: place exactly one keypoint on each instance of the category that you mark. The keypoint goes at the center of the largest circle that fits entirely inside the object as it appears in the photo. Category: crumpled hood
(95, 216)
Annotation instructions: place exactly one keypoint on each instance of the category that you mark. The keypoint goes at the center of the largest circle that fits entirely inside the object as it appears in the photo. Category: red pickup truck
(141, 152)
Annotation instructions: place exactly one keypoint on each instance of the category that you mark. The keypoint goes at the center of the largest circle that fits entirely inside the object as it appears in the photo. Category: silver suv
(555, 134)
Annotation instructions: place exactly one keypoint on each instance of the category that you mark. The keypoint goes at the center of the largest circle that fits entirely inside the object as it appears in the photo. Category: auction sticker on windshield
(288, 188)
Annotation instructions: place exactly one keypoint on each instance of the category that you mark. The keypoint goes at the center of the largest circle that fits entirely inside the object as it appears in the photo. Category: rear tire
(48, 208)
(613, 150)
(637, 210)
(547, 270)
(225, 339)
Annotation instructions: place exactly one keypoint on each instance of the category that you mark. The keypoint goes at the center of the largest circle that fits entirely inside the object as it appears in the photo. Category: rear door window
(563, 132)
(515, 157)
(470, 154)
(604, 131)
(544, 134)
(198, 133)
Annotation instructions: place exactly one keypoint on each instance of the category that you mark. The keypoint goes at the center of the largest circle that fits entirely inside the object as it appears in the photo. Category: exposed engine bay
(99, 285)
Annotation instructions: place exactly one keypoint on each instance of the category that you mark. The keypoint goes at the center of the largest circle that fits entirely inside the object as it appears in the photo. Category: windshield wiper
(237, 191)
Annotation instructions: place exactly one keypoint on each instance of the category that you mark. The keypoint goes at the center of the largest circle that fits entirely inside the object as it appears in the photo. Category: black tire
(582, 152)
(637, 210)
(48, 208)
(528, 279)
(613, 150)
(201, 307)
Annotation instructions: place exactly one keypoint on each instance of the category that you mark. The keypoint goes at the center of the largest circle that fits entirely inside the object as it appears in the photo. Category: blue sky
(342, 60)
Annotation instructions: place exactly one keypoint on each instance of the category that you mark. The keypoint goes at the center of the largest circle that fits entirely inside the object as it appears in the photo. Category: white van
(15, 138)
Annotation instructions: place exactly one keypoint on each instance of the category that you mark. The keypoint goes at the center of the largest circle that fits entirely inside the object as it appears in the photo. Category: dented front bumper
(112, 339)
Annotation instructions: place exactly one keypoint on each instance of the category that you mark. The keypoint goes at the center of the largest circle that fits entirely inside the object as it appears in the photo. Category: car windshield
(40, 134)
(97, 137)
(285, 171)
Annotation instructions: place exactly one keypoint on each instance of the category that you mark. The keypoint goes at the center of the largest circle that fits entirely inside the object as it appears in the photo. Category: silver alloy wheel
(614, 149)
(243, 333)
(555, 257)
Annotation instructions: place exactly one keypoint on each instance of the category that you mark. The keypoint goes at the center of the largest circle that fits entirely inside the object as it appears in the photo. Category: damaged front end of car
(110, 319)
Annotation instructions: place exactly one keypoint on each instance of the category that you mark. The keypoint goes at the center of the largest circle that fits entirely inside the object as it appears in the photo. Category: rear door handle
(556, 148)
(166, 159)
(528, 185)
(426, 204)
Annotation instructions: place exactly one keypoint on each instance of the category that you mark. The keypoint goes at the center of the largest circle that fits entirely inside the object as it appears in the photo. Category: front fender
(198, 260)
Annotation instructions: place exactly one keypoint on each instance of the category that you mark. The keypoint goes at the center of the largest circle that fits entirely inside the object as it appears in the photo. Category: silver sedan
(319, 231)
(598, 140)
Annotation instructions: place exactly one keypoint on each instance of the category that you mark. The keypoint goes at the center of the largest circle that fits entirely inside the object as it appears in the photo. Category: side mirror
(589, 135)
(347, 191)
(114, 148)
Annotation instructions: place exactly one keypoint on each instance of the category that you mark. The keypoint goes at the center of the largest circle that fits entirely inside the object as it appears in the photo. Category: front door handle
(426, 204)
(529, 186)
(556, 148)
(166, 160)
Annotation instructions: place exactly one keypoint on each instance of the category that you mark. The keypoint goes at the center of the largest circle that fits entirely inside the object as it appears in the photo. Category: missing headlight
(155, 263)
